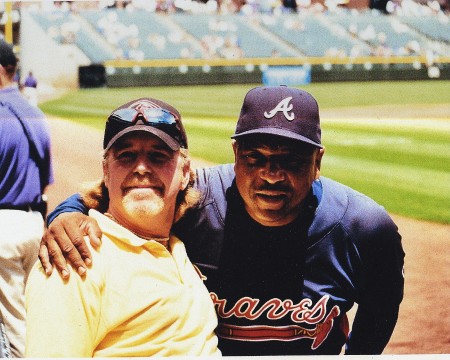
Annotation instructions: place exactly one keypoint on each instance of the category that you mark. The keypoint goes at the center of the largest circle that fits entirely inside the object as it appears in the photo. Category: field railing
(290, 61)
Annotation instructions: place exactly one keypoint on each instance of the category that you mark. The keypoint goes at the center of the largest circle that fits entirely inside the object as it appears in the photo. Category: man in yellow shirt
(143, 296)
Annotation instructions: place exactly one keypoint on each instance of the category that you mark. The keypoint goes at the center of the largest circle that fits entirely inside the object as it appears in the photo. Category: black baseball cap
(281, 111)
(7, 56)
(150, 115)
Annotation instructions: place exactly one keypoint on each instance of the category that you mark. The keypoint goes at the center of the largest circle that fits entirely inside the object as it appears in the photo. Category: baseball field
(389, 140)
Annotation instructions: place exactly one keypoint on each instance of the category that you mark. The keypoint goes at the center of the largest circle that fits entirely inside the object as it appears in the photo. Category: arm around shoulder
(72, 204)
(64, 237)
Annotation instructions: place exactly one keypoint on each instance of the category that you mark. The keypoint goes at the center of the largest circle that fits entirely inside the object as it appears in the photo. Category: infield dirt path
(424, 322)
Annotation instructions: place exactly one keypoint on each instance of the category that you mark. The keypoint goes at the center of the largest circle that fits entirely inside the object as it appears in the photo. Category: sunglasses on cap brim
(158, 118)
(151, 116)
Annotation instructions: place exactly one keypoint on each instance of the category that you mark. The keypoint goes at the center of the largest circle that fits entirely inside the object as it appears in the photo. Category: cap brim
(278, 132)
(167, 139)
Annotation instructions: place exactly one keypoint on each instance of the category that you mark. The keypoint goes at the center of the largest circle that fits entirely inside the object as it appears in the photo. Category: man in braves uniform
(286, 253)
(25, 172)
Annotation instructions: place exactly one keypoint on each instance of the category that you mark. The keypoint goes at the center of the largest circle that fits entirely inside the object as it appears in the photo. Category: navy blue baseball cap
(281, 111)
(149, 115)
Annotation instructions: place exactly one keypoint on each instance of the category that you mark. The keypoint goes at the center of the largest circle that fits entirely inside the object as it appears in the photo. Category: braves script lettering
(284, 106)
(276, 309)
(303, 312)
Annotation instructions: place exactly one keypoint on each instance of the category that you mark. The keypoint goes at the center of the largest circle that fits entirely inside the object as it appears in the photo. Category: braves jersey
(286, 290)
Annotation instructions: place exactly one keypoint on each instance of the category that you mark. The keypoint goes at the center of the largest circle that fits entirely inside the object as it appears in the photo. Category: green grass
(404, 165)
(405, 168)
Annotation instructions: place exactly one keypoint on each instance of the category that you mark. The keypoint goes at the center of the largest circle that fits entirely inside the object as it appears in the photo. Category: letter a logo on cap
(284, 106)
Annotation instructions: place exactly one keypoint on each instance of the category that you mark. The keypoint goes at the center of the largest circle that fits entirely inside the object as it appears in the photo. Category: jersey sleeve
(71, 204)
(382, 284)
(202, 228)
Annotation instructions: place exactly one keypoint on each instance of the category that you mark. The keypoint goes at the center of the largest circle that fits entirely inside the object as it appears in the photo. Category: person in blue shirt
(30, 89)
(285, 252)
(26, 171)
(30, 81)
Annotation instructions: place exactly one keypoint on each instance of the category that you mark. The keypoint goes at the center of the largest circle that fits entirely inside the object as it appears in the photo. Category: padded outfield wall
(245, 71)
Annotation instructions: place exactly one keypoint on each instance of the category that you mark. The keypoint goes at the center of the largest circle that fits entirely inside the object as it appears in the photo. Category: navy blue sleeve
(382, 291)
(202, 228)
(71, 204)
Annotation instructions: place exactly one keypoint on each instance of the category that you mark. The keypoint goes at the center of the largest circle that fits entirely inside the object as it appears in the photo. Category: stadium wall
(110, 76)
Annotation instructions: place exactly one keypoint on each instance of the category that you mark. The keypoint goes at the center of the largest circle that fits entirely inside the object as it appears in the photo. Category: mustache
(143, 181)
(273, 187)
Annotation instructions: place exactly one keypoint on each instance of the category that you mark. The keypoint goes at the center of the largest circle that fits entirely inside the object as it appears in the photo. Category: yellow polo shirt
(136, 300)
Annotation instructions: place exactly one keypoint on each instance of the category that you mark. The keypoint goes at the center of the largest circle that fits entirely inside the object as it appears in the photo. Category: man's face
(143, 177)
(274, 175)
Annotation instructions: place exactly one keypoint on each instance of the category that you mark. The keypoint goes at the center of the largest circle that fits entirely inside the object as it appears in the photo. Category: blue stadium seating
(430, 26)
(397, 35)
(309, 35)
(64, 27)
(252, 42)
(120, 33)
(155, 37)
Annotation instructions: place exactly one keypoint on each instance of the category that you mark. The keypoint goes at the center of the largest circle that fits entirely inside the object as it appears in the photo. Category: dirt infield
(424, 323)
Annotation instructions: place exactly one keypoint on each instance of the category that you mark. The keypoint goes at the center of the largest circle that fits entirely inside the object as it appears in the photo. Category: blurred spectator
(157, 40)
(275, 53)
(30, 89)
(134, 52)
(290, 5)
